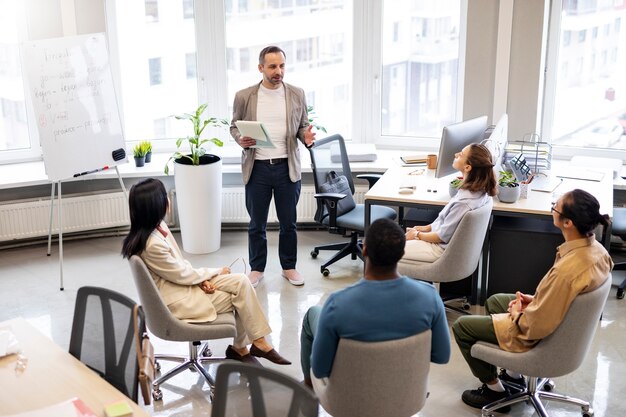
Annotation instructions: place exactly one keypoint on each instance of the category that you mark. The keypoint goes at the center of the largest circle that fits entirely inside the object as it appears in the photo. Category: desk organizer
(538, 154)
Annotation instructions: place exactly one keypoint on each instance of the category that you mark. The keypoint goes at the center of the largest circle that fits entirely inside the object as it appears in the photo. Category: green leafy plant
(146, 146)
(139, 151)
(313, 119)
(196, 148)
(507, 179)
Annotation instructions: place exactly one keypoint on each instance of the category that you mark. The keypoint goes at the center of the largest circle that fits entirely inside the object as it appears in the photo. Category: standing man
(381, 306)
(517, 322)
(272, 171)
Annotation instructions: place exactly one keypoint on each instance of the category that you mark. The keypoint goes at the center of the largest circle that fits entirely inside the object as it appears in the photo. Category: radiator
(30, 219)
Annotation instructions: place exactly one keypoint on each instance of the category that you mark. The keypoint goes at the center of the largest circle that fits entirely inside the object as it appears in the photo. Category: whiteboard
(70, 85)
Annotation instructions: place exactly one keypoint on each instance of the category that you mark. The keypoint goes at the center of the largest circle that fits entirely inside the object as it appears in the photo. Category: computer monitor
(455, 137)
(497, 143)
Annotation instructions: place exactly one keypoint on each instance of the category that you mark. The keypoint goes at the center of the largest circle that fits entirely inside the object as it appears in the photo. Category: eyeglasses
(555, 210)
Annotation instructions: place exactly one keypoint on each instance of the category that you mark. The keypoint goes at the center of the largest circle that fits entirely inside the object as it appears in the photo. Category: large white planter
(199, 204)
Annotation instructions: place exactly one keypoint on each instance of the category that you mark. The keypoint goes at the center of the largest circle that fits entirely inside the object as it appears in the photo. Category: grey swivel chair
(559, 354)
(102, 337)
(460, 258)
(329, 154)
(162, 323)
(248, 390)
(619, 229)
(371, 379)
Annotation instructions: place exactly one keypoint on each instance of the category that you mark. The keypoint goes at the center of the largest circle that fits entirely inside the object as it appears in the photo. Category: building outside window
(590, 99)
(420, 70)
(190, 65)
(154, 65)
(13, 124)
(152, 11)
(318, 53)
(188, 9)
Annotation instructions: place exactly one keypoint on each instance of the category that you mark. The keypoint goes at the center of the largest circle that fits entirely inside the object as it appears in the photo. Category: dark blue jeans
(267, 180)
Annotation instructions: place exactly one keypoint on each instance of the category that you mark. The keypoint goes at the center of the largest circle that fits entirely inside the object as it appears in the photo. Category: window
(420, 75)
(318, 53)
(582, 35)
(188, 9)
(190, 64)
(152, 11)
(587, 100)
(154, 65)
(155, 68)
(13, 124)
(567, 37)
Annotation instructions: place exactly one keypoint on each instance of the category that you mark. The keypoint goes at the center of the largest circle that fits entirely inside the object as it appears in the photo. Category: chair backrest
(377, 378)
(247, 390)
(103, 337)
(162, 323)
(329, 154)
(573, 337)
(461, 256)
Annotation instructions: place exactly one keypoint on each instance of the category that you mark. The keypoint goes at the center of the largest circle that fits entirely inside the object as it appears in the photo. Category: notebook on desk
(578, 173)
(545, 184)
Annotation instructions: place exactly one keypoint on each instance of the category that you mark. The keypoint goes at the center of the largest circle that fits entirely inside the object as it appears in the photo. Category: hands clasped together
(520, 303)
(208, 287)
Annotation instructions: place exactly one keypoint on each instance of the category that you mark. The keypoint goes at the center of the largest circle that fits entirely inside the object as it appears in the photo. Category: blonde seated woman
(427, 243)
(195, 295)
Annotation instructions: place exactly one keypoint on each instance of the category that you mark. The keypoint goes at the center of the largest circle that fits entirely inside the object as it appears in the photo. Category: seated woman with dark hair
(194, 294)
(427, 243)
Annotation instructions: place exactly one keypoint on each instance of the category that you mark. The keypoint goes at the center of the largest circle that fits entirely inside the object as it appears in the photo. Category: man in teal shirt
(381, 306)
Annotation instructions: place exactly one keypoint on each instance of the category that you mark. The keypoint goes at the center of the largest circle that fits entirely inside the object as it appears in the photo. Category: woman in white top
(427, 243)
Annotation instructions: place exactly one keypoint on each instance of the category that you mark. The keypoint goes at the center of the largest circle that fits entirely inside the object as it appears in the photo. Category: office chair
(370, 379)
(329, 154)
(102, 337)
(162, 323)
(546, 360)
(242, 388)
(619, 229)
(460, 258)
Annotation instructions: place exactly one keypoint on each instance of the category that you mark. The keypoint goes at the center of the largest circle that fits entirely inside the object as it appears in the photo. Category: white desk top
(537, 203)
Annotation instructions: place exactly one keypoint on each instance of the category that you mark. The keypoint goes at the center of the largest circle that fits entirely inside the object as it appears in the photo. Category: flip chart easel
(71, 88)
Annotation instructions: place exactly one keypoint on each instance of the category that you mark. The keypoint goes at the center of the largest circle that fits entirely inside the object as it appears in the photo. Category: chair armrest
(620, 266)
(371, 178)
(330, 201)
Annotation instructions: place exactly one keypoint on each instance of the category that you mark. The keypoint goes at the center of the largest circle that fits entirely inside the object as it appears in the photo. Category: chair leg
(620, 290)
(197, 357)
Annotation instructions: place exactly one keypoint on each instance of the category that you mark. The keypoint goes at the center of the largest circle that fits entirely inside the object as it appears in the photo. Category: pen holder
(523, 190)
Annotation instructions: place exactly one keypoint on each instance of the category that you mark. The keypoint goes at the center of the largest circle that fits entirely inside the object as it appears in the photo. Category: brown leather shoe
(271, 356)
(231, 353)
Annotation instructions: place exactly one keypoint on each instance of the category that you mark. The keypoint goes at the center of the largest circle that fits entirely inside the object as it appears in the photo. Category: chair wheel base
(325, 272)
(588, 413)
(620, 293)
(314, 254)
(157, 394)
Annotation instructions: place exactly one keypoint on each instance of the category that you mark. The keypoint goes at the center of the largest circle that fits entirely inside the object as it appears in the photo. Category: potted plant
(313, 119)
(454, 186)
(198, 182)
(147, 147)
(508, 187)
(140, 155)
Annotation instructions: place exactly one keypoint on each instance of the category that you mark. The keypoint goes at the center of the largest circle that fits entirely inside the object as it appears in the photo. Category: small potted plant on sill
(146, 145)
(454, 186)
(198, 182)
(140, 155)
(508, 187)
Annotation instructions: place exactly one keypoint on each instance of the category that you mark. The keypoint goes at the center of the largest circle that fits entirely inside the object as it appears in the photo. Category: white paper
(255, 130)
(8, 343)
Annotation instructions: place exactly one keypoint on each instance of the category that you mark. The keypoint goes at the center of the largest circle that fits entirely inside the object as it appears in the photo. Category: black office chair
(102, 337)
(329, 154)
(247, 390)
(619, 229)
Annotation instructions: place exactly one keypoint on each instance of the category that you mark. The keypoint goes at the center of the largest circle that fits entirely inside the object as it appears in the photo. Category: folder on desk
(414, 159)
(545, 184)
(256, 131)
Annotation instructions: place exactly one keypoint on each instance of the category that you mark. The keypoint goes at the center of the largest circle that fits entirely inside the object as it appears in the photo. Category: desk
(536, 206)
(51, 376)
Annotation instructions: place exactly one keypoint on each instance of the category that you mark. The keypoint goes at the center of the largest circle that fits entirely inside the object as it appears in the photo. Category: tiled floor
(29, 287)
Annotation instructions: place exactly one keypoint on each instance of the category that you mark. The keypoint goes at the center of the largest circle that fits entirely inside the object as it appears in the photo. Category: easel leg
(119, 177)
(51, 214)
(60, 240)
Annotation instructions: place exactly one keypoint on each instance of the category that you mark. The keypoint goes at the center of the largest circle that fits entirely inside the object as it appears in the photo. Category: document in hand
(255, 130)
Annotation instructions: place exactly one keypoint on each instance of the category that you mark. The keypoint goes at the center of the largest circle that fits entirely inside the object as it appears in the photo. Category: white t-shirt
(271, 110)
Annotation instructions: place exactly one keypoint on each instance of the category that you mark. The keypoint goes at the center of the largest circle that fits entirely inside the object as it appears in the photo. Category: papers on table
(255, 130)
(74, 407)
